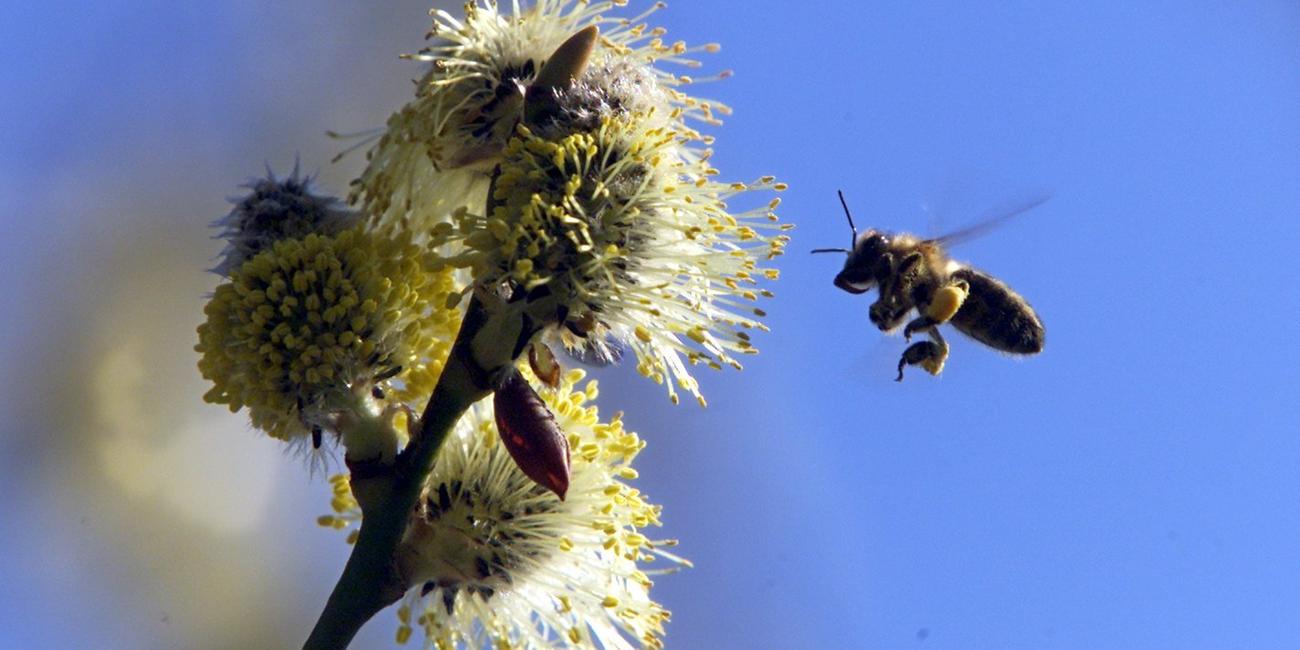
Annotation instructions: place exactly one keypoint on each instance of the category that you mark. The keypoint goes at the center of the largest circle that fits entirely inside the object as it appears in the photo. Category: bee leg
(930, 355)
(943, 306)
(917, 325)
(916, 353)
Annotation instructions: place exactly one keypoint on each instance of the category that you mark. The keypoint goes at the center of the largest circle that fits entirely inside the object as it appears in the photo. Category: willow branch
(370, 581)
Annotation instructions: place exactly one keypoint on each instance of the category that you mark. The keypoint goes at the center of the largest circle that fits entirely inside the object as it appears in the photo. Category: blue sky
(1136, 485)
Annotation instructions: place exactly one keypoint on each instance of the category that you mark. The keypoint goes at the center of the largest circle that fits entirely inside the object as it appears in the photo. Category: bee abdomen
(996, 316)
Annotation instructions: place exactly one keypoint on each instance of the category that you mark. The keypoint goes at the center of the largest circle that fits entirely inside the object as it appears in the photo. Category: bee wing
(992, 219)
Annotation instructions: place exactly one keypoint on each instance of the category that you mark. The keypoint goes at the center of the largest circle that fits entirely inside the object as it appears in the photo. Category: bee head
(867, 263)
(897, 279)
(868, 259)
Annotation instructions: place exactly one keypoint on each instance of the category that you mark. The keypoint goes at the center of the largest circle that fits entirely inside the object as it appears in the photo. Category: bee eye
(854, 280)
(884, 268)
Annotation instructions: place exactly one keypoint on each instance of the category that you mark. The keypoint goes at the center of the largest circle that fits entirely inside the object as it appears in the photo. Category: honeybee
(911, 273)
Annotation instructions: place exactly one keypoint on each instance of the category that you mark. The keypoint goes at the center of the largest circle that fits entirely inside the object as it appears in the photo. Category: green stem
(370, 581)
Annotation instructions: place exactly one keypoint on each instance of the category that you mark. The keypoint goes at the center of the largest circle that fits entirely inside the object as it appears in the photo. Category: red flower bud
(531, 435)
(543, 363)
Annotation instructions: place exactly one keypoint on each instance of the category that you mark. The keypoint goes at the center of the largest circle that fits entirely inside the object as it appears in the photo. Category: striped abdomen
(996, 316)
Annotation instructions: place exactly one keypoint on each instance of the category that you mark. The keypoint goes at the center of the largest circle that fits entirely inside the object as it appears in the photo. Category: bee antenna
(831, 250)
(848, 214)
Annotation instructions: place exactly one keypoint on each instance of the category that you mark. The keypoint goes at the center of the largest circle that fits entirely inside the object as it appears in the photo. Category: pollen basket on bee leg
(947, 301)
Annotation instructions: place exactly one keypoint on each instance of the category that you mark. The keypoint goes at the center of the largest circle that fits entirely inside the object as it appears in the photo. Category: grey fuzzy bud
(609, 87)
(276, 209)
